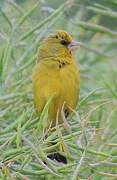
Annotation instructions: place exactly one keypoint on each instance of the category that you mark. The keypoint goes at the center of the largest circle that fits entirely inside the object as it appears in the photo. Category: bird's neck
(63, 55)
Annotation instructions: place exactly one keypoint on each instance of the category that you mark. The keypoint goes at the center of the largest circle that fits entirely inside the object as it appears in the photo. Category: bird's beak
(74, 44)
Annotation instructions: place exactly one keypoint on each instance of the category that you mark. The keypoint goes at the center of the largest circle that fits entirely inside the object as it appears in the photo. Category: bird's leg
(64, 115)
(63, 145)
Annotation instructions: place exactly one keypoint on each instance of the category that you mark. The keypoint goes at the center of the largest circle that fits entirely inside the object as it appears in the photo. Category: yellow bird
(56, 75)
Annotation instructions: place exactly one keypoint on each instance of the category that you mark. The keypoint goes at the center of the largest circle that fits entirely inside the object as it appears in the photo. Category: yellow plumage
(56, 75)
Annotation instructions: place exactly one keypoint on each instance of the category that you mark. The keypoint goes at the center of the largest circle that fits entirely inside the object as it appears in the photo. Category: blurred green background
(92, 140)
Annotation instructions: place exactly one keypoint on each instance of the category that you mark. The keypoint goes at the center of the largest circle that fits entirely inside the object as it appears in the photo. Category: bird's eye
(56, 37)
(64, 42)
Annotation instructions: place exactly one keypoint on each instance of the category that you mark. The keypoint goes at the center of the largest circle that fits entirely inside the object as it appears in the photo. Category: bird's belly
(70, 85)
(62, 85)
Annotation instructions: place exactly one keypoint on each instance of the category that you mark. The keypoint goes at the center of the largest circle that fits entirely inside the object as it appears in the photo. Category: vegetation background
(91, 137)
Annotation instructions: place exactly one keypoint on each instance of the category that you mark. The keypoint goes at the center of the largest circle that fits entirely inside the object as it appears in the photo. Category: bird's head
(59, 44)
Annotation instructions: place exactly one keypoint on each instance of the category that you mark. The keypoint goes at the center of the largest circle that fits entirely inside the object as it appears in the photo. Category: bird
(56, 74)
